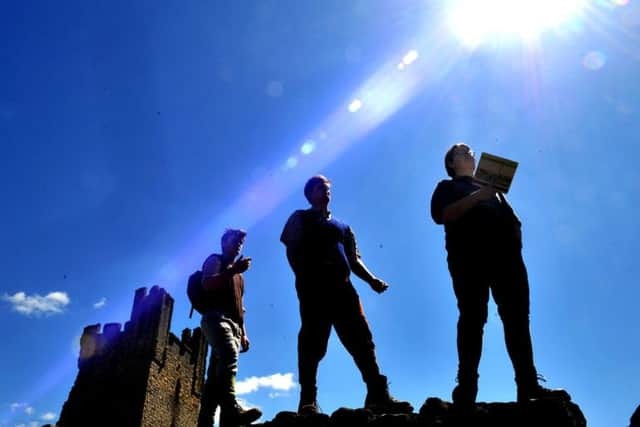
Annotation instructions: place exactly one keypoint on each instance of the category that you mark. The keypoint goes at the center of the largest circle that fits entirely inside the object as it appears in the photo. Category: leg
(511, 293)
(354, 333)
(313, 339)
(472, 294)
(209, 398)
(226, 348)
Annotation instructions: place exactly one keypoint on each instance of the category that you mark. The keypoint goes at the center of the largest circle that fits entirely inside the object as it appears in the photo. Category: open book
(495, 171)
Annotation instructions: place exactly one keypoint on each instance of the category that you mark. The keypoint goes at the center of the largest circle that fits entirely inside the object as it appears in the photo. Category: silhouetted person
(224, 328)
(322, 253)
(484, 243)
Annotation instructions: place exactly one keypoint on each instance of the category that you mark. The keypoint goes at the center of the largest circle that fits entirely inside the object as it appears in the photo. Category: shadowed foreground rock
(635, 418)
(437, 413)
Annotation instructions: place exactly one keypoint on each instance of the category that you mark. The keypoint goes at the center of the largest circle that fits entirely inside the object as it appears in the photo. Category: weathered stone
(140, 376)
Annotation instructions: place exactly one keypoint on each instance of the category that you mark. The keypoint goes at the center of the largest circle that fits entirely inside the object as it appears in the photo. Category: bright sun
(475, 21)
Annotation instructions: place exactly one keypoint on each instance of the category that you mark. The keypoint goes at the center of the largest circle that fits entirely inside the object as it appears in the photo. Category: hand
(485, 193)
(241, 265)
(378, 285)
(244, 344)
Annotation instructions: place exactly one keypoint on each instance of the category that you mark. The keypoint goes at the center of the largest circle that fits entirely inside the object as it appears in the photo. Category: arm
(457, 209)
(220, 279)
(292, 237)
(357, 265)
(244, 340)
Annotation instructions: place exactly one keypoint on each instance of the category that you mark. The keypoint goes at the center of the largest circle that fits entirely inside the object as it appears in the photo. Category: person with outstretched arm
(322, 253)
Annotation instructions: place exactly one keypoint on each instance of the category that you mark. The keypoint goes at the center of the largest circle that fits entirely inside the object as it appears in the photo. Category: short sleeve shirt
(491, 221)
(319, 246)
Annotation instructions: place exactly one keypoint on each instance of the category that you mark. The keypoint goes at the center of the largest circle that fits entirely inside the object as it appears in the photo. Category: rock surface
(438, 413)
(635, 418)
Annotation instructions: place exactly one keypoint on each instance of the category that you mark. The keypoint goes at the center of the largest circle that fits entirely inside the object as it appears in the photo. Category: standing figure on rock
(322, 252)
(224, 328)
(484, 245)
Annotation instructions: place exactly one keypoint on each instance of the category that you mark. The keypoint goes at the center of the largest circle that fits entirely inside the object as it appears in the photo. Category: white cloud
(49, 416)
(100, 304)
(36, 305)
(21, 406)
(34, 424)
(281, 382)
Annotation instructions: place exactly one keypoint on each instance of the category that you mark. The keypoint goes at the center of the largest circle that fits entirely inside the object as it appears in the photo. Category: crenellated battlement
(144, 303)
(95, 342)
(122, 365)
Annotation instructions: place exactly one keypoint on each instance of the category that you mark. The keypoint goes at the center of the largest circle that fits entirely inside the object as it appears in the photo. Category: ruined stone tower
(141, 376)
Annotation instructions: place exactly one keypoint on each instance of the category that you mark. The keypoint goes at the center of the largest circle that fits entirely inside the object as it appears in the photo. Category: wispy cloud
(49, 416)
(100, 304)
(282, 382)
(36, 305)
(21, 407)
(15, 406)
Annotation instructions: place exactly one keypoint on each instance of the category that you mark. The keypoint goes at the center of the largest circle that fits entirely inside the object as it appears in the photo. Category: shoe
(236, 416)
(379, 401)
(534, 390)
(310, 408)
(464, 395)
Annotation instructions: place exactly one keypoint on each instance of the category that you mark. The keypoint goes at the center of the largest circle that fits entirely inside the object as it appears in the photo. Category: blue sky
(133, 133)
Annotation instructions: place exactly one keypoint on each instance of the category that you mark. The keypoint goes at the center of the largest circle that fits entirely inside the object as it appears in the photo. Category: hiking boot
(310, 408)
(533, 390)
(464, 395)
(236, 416)
(379, 401)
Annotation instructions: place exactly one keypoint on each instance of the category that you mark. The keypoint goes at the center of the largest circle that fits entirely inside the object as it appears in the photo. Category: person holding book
(484, 244)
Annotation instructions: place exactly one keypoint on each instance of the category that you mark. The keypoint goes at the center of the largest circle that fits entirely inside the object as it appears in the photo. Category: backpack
(196, 293)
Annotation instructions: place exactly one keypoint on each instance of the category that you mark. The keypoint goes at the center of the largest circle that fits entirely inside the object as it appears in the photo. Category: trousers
(505, 276)
(323, 305)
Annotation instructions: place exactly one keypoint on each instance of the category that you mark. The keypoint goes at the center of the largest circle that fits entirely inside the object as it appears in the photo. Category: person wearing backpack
(220, 303)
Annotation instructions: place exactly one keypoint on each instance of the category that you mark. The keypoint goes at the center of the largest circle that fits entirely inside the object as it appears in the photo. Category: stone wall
(140, 376)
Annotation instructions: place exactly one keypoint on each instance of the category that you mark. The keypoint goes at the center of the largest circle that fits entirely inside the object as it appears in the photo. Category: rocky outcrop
(438, 413)
(635, 418)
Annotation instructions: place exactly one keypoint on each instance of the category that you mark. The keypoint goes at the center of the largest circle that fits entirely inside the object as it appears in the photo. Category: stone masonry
(139, 376)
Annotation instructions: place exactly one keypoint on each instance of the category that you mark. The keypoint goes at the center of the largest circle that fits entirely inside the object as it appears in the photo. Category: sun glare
(475, 22)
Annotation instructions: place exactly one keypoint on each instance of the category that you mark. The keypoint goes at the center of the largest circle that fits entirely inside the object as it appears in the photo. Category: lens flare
(594, 60)
(474, 22)
(308, 147)
(355, 105)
